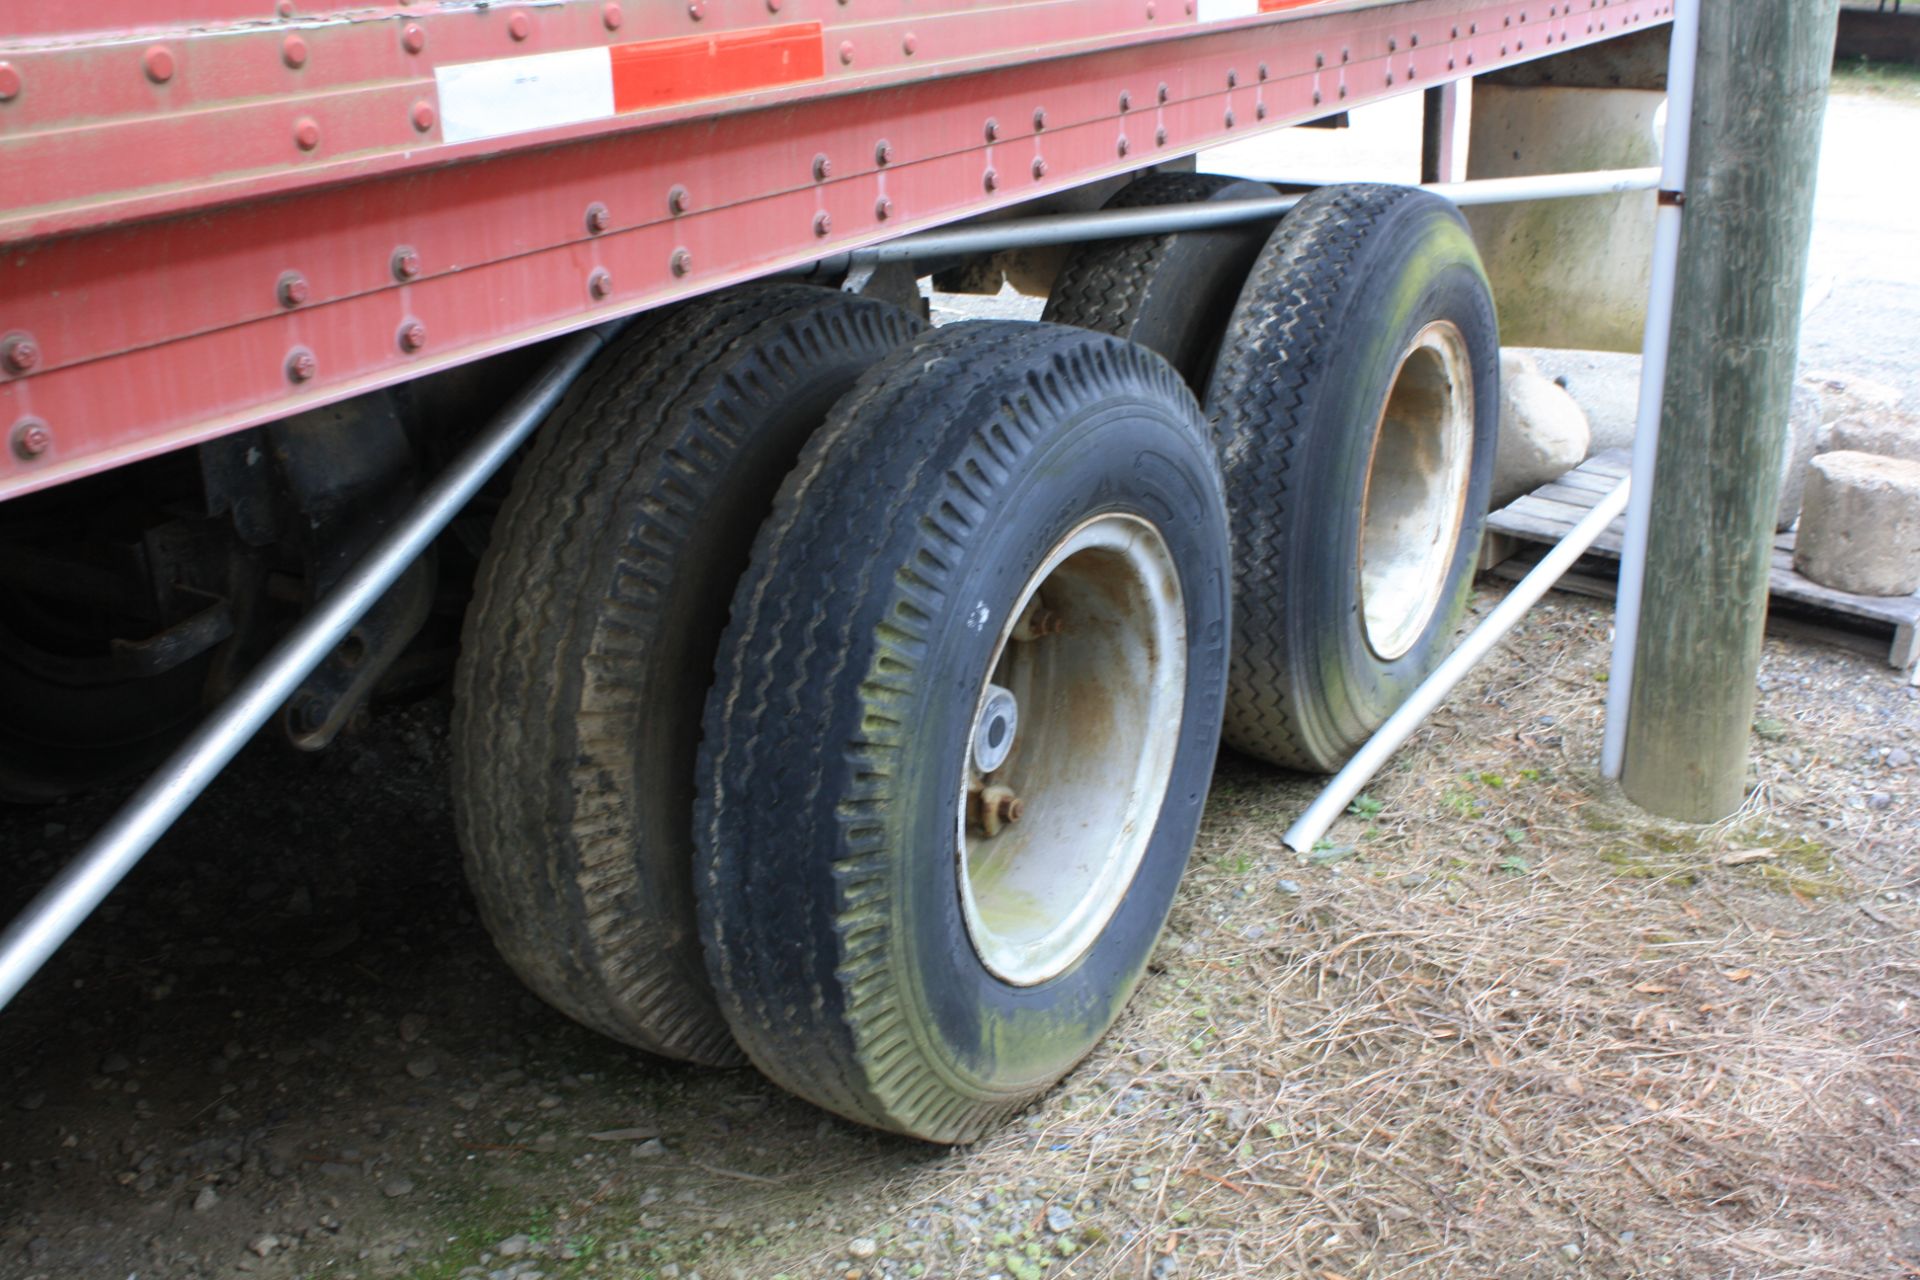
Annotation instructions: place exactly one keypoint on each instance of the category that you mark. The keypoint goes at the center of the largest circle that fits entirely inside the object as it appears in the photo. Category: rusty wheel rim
(1416, 492)
(1079, 713)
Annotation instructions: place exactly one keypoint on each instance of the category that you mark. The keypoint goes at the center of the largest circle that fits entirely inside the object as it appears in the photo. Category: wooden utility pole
(1759, 99)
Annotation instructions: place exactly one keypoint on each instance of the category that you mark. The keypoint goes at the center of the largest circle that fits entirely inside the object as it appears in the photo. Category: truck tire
(1169, 293)
(589, 644)
(1355, 405)
(904, 923)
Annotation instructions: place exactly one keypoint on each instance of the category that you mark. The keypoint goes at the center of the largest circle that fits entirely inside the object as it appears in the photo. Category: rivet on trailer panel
(519, 27)
(19, 352)
(992, 129)
(598, 219)
(611, 15)
(405, 262)
(1123, 146)
(600, 284)
(822, 223)
(883, 152)
(423, 115)
(846, 53)
(1159, 137)
(412, 336)
(291, 289)
(910, 44)
(678, 200)
(158, 62)
(822, 167)
(306, 133)
(10, 82)
(1039, 168)
(1039, 119)
(31, 439)
(413, 37)
(990, 180)
(681, 262)
(696, 10)
(883, 208)
(293, 51)
(301, 366)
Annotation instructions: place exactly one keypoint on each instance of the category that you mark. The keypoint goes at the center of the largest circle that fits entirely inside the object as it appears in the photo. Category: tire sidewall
(988, 1038)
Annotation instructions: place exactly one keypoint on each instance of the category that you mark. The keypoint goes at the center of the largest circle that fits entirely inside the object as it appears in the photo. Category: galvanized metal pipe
(61, 907)
(1108, 224)
(1653, 384)
(1340, 792)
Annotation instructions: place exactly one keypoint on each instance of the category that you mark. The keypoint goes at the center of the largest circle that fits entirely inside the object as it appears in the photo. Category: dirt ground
(1501, 1023)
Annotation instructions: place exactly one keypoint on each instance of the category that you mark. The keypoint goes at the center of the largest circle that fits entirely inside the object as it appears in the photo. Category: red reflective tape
(657, 72)
(1275, 6)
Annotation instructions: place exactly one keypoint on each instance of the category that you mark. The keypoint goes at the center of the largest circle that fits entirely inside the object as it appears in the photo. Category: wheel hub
(1072, 743)
(1416, 492)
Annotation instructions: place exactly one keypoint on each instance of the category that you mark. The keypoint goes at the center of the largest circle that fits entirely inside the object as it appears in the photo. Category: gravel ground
(1500, 1023)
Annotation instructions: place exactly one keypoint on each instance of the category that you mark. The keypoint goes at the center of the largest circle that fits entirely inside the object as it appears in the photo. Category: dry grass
(1504, 1026)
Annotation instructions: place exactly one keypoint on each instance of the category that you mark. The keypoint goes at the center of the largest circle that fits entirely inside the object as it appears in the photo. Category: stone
(1890, 437)
(1843, 394)
(862, 1248)
(1543, 431)
(513, 1246)
(261, 1246)
(205, 1200)
(397, 1187)
(1058, 1220)
(1803, 431)
(1860, 528)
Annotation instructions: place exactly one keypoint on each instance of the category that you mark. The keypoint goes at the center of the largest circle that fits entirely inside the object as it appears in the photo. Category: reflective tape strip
(518, 95)
(546, 90)
(1228, 10)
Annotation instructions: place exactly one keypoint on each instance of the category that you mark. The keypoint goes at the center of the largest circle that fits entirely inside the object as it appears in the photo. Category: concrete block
(1860, 529)
(1543, 432)
(1566, 273)
(1887, 435)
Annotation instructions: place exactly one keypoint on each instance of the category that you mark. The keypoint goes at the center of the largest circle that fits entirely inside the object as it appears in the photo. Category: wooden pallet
(1877, 625)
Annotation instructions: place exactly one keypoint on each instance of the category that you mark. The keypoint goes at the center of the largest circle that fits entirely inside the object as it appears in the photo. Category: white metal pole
(1506, 615)
(1653, 381)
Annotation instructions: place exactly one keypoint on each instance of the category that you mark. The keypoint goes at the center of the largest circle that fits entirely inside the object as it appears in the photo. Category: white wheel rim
(1416, 492)
(1100, 702)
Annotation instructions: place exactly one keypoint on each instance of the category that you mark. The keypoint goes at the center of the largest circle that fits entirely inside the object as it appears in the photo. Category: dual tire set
(842, 696)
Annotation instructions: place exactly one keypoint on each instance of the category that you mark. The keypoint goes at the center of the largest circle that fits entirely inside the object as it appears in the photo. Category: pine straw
(1521, 1030)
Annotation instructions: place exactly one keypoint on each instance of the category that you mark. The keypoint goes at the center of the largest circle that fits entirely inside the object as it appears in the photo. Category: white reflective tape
(1227, 10)
(515, 95)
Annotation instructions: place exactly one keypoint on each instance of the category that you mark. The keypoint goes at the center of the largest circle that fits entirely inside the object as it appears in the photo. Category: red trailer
(833, 691)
